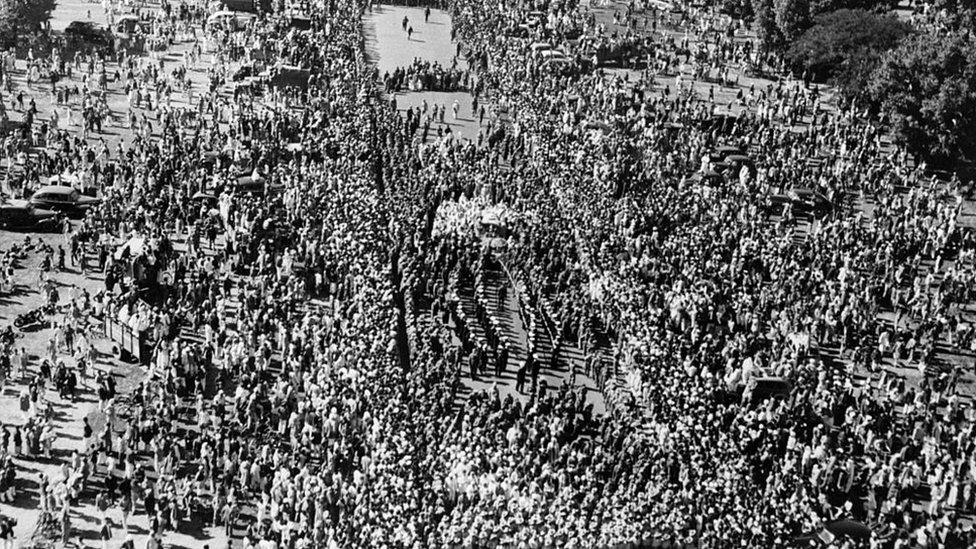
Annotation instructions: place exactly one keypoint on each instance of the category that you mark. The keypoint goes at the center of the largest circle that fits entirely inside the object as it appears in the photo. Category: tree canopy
(792, 17)
(845, 46)
(780, 22)
(927, 88)
(826, 6)
(24, 16)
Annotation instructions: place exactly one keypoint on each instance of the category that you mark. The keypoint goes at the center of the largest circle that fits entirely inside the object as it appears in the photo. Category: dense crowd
(297, 272)
(426, 76)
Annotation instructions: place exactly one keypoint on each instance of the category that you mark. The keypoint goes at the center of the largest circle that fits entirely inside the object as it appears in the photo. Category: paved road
(389, 47)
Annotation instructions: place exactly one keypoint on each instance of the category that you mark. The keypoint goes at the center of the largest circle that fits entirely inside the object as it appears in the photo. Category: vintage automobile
(249, 6)
(286, 75)
(22, 216)
(803, 202)
(232, 20)
(88, 33)
(254, 184)
(64, 199)
(732, 164)
(299, 22)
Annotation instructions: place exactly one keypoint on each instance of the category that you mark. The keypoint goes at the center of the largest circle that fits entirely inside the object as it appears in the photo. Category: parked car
(232, 20)
(254, 184)
(803, 201)
(88, 32)
(724, 151)
(21, 215)
(14, 127)
(248, 6)
(287, 75)
(733, 164)
(243, 72)
(64, 199)
(300, 22)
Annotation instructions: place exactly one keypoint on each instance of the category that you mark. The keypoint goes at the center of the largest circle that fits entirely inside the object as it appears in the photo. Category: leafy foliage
(739, 9)
(845, 46)
(19, 17)
(780, 22)
(826, 6)
(792, 17)
(765, 23)
(927, 88)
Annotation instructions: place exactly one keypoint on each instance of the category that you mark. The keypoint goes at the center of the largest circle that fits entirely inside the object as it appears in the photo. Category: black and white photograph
(487, 274)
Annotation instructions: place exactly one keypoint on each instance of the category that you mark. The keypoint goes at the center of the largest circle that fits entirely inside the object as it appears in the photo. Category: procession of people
(780, 294)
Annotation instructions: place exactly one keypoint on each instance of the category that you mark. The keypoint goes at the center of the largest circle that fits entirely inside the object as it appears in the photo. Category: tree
(19, 17)
(34, 15)
(738, 9)
(825, 6)
(958, 14)
(792, 17)
(765, 23)
(845, 46)
(927, 88)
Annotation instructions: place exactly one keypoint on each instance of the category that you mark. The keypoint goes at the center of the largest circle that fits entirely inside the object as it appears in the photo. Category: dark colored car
(300, 23)
(66, 200)
(287, 76)
(21, 215)
(254, 185)
(88, 33)
(724, 151)
(732, 164)
(804, 202)
(248, 6)
(242, 72)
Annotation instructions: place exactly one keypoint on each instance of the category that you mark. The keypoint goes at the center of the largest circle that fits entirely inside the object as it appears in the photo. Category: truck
(128, 344)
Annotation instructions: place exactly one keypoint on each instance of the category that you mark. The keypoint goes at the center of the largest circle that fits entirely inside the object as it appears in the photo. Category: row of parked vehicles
(42, 211)
(235, 15)
(727, 161)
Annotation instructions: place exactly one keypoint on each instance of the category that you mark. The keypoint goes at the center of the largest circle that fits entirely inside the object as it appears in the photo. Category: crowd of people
(297, 272)
(426, 76)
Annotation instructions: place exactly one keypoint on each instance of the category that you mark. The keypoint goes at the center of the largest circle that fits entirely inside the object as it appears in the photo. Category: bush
(927, 89)
(845, 46)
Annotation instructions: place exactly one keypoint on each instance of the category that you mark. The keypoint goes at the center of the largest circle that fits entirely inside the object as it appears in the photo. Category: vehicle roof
(55, 189)
(229, 13)
(82, 25)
